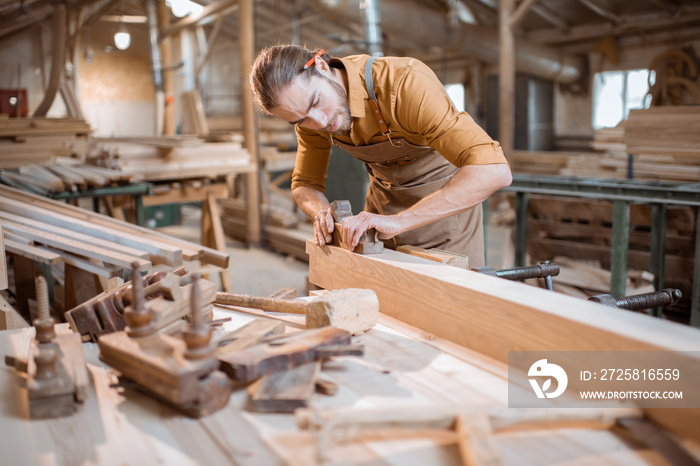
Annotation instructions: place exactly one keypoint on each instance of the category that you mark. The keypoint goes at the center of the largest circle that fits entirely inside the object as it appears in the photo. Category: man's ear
(323, 67)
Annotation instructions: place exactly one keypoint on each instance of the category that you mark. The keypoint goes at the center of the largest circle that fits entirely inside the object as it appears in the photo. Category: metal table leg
(521, 201)
(485, 221)
(619, 248)
(657, 256)
(695, 300)
(139, 214)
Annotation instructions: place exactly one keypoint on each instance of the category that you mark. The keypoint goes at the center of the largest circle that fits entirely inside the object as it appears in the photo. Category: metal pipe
(151, 9)
(58, 58)
(428, 27)
(373, 28)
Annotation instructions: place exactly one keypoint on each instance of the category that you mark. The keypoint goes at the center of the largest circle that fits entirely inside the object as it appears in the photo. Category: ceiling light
(122, 39)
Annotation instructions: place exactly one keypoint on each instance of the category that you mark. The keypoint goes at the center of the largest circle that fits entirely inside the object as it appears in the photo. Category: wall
(24, 65)
(115, 87)
(574, 114)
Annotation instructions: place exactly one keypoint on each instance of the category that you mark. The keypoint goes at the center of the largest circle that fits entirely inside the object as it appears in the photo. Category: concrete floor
(254, 271)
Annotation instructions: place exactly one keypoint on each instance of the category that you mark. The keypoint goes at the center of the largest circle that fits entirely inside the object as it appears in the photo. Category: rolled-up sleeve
(423, 107)
(312, 158)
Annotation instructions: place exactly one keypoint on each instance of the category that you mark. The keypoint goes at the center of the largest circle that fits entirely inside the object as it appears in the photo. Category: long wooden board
(180, 248)
(493, 316)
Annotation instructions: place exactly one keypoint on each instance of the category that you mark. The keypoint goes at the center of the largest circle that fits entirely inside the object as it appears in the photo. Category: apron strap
(369, 84)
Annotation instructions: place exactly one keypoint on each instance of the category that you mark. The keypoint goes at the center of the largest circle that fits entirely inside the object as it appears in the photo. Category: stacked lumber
(581, 229)
(665, 142)
(271, 131)
(86, 251)
(587, 164)
(60, 219)
(282, 230)
(584, 279)
(667, 130)
(171, 158)
(35, 140)
(62, 174)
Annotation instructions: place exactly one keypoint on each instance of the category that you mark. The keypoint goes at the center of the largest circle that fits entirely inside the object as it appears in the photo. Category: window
(456, 93)
(615, 93)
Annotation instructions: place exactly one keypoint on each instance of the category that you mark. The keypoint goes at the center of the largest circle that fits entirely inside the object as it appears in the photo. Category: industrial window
(456, 93)
(615, 93)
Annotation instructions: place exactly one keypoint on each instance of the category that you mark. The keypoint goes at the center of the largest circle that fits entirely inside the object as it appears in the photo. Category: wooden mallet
(351, 309)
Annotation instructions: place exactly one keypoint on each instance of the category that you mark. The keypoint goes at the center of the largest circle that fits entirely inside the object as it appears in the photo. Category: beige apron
(402, 174)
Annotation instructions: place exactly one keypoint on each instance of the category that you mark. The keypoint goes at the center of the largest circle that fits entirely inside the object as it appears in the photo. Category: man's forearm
(310, 201)
(469, 186)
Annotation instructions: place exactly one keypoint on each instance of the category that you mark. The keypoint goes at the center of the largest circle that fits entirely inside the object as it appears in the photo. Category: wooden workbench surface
(403, 367)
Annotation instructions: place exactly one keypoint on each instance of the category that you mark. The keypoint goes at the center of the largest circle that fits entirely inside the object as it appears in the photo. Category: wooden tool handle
(257, 302)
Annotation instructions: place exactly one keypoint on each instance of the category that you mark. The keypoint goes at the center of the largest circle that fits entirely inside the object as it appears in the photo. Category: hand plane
(369, 242)
(182, 372)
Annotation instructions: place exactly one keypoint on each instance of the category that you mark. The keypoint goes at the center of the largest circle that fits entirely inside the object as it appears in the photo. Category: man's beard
(343, 112)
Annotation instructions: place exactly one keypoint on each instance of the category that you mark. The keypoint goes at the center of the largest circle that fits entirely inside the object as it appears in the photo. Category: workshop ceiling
(571, 25)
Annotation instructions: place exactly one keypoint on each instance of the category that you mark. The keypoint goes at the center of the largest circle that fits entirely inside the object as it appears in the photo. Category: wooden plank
(173, 249)
(74, 235)
(9, 318)
(158, 251)
(3, 261)
(500, 314)
(79, 248)
(33, 253)
(104, 271)
(285, 391)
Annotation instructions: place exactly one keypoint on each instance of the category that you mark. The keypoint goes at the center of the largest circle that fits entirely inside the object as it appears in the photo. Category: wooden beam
(166, 58)
(209, 45)
(78, 247)
(520, 12)
(33, 253)
(11, 219)
(506, 79)
(168, 250)
(601, 10)
(493, 316)
(3, 262)
(434, 297)
(551, 16)
(247, 50)
(191, 20)
(44, 215)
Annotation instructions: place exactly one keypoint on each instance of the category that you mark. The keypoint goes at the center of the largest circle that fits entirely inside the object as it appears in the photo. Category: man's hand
(323, 227)
(387, 226)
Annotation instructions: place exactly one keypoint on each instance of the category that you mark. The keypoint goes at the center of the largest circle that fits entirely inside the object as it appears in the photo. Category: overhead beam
(191, 20)
(520, 12)
(647, 22)
(602, 10)
(24, 22)
(551, 16)
(106, 8)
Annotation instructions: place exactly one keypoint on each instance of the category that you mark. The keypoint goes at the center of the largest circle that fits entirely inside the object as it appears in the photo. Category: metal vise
(545, 270)
(665, 297)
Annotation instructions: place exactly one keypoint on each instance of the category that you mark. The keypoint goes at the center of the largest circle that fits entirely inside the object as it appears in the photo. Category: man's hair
(275, 69)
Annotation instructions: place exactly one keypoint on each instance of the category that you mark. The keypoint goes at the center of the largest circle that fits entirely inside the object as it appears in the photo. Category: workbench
(403, 367)
(622, 193)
